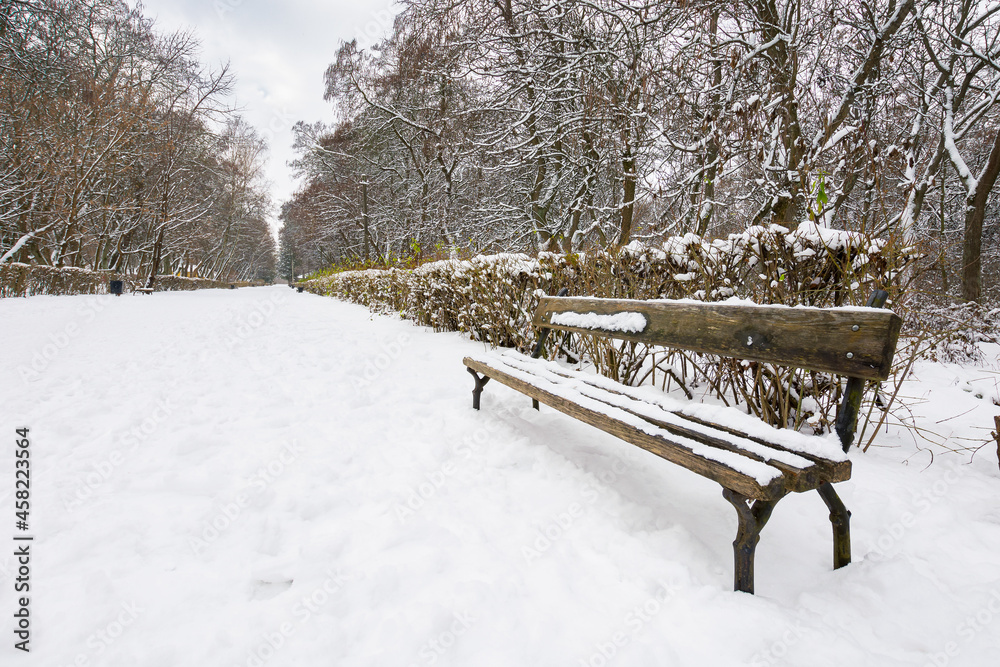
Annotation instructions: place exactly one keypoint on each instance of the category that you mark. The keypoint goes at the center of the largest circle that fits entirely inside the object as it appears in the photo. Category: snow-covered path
(259, 477)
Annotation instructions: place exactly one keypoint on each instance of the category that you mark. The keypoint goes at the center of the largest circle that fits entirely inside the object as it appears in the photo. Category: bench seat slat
(829, 461)
(802, 473)
(650, 411)
(821, 451)
(754, 479)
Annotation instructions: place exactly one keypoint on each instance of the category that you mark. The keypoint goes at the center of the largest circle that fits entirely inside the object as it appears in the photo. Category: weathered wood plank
(855, 342)
(799, 479)
(671, 451)
(796, 479)
(825, 469)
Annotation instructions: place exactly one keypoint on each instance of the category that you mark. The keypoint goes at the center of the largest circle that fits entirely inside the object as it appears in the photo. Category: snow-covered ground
(260, 477)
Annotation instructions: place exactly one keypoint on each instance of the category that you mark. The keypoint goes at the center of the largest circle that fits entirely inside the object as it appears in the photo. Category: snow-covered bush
(952, 333)
(492, 298)
(18, 279)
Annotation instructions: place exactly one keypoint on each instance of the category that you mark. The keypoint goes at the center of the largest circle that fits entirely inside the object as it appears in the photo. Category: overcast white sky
(278, 51)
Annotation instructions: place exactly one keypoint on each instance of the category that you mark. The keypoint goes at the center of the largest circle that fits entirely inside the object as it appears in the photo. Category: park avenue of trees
(118, 150)
(575, 124)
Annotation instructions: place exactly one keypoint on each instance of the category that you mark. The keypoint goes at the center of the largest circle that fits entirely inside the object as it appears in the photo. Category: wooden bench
(143, 290)
(755, 464)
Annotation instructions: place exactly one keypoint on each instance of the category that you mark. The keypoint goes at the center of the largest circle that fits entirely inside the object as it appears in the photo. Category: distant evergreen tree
(286, 258)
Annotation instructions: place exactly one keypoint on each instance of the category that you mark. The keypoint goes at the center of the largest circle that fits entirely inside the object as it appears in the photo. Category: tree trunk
(628, 203)
(157, 252)
(364, 215)
(975, 213)
(707, 206)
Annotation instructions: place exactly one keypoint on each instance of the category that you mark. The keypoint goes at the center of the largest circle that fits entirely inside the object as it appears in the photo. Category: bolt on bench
(756, 464)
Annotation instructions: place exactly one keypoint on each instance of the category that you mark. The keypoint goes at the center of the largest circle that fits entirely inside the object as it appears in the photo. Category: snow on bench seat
(824, 447)
(746, 455)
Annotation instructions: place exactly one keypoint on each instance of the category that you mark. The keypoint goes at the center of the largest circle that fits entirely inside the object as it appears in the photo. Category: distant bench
(755, 463)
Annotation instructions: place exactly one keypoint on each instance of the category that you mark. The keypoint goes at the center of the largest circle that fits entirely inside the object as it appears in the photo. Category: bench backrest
(852, 341)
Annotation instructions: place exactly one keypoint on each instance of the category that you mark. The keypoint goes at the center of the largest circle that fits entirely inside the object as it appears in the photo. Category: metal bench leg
(840, 517)
(478, 391)
(753, 514)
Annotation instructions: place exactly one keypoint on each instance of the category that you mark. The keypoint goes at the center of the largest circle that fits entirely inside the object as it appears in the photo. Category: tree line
(119, 150)
(574, 124)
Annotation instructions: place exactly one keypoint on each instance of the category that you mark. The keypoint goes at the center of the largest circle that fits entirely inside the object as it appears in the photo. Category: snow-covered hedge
(953, 333)
(30, 279)
(492, 298)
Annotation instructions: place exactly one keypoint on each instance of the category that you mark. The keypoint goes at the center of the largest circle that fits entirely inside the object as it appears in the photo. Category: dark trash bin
(116, 287)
